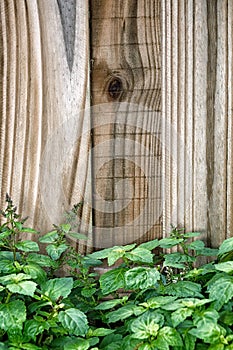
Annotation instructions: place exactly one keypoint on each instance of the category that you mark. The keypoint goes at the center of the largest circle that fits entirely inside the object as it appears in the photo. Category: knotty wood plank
(126, 79)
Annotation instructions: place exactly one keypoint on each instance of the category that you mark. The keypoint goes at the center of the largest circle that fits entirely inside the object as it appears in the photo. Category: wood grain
(44, 90)
(126, 82)
(197, 111)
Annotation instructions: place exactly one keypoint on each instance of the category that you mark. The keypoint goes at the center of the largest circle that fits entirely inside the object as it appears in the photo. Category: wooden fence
(124, 105)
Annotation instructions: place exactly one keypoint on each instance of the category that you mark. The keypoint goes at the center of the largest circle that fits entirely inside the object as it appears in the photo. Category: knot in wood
(115, 88)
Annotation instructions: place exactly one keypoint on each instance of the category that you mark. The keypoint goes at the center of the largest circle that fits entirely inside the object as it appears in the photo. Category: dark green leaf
(36, 272)
(78, 343)
(109, 304)
(221, 290)
(196, 245)
(184, 289)
(32, 328)
(112, 280)
(140, 255)
(57, 287)
(75, 321)
(39, 259)
(27, 246)
(7, 267)
(141, 278)
(177, 260)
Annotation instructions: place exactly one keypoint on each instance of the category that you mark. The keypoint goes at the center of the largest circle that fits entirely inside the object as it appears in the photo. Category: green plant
(151, 300)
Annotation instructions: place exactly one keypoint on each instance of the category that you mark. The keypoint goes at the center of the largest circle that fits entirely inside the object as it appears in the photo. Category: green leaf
(167, 243)
(150, 245)
(177, 260)
(12, 315)
(180, 315)
(227, 317)
(111, 342)
(210, 333)
(109, 304)
(57, 287)
(196, 245)
(124, 312)
(130, 343)
(189, 341)
(112, 280)
(102, 332)
(208, 252)
(32, 328)
(75, 321)
(55, 251)
(147, 325)
(226, 246)
(7, 267)
(27, 246)
(115, 254)
(183, 289)
(191, 234)
(78, 343)
(65, 228)
(170, 336)
(141, 278)
(157, 302)
(29, 230)
(39, 259)
(14, 278)
(225, 266)
(221, 290)
(103, 254)
(23, 287)
(36, 272)
(140, 255)
(50, 237)
(78, 236)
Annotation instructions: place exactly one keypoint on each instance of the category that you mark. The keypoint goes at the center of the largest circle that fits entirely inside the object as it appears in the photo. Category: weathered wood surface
(44, 87)
(197, 116)
(126, 78)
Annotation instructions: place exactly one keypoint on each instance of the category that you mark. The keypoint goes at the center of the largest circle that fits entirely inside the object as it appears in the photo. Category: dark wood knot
(115, 88)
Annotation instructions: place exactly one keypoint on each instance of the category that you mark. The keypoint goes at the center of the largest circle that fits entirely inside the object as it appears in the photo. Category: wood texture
(126, 84)
(197, 116)
(44, 86)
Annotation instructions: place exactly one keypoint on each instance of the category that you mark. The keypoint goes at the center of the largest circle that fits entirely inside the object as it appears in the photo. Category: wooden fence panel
(197, 116)
(45, 163)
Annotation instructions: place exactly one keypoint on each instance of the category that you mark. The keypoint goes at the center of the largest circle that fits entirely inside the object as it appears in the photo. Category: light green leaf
(226, 246)
(32, 328)
(141, 278)
(112, 280)
(29, 230)
(150, 245)
(23, 287)
(170, 336)
(65, 227)
(180, 315)
(147, 325)
(210, 333)
(49, 237)
(14, 278)
(157, 302)
(27, 246)
(78, 236)
(221, 290)
(191, 234)
(102, 332)
(124, 312)
(103, 254)
(115, 254)
(184, 289)
(189, 341)
(167, 243)
(57, 287)
(78, 343)
(75, 321)
(140, 255)
(12, 315)
(55, 251)
(225, 266)
(39, 259)
(196, 245)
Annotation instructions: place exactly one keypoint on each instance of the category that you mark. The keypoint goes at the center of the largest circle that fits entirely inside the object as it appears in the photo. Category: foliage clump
(148, 302)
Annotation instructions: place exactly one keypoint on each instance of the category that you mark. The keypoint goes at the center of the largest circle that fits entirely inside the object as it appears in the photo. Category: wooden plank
(197, 116)
(126, 78)
(44, 85)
